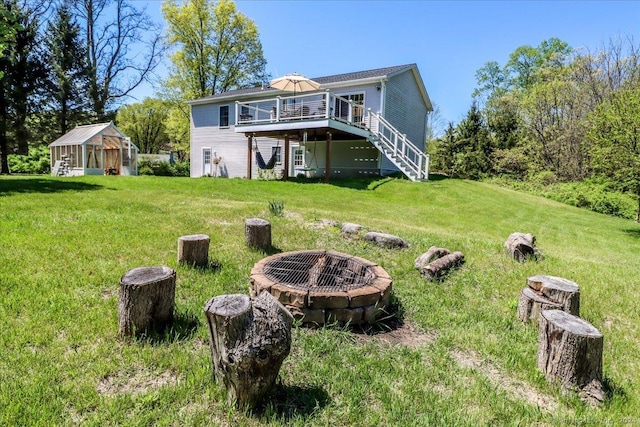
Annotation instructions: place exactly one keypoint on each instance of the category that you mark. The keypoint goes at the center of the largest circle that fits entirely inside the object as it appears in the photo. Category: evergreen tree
(473, 146)
(23, 72)
(68, 73)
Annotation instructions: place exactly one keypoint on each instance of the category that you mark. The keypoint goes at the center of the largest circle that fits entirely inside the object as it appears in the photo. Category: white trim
(204, 165)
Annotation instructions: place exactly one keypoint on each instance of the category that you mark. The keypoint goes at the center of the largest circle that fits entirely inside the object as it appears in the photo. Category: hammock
(272, 161)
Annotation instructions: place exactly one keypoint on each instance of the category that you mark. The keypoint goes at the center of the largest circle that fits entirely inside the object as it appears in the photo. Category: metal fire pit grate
(319, 271)
(322, 286)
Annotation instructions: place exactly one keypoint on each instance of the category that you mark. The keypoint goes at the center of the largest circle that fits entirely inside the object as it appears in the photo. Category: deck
(270, 117)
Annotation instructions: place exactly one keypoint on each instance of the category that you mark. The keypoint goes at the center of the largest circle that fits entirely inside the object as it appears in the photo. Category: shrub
(162, 168)
(36, 162)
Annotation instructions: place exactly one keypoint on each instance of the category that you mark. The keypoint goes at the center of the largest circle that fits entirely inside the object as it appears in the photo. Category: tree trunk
(258, 233)
(249, 338)
(558, 290)
(432, 253)
(194, 250)
(570, 351)
(439, 267)
(521, 246)
(531, 304)
(147, 297)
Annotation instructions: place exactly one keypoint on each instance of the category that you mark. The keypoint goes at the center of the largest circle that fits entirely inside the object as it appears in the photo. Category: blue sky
(448, 40)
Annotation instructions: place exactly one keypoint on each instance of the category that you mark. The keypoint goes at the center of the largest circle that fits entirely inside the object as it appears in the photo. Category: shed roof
(378, 73)
(81, 134)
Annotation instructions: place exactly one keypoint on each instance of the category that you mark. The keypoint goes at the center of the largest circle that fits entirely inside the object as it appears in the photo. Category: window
(224, 116)
(298, 157)
(342, 107)
(277, 151)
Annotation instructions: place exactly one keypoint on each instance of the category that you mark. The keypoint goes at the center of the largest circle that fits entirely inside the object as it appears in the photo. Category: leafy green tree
(68, 70)
(615, 133)
(144, 123)
(522, 69)
(216, 47)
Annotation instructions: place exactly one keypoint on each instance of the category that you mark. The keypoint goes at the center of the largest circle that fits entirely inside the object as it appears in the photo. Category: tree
(115, 32)
(144, 123)
(23, 72)
(8, 29)
(615, 133)
(525, 62)
(473, 147)
(218, 48)
(445, 151)
(69, 73)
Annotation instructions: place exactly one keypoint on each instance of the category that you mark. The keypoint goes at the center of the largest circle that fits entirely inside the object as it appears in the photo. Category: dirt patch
(404, 334)
(512, 386)
(322, 224)
(107, 293)
(138, 382)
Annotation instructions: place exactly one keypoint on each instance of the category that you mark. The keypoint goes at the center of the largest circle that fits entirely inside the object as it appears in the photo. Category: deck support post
(327, 171)
(249, 148)
(285, 174)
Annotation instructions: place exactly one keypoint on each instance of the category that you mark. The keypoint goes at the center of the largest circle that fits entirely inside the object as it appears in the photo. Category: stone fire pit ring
(320, 287)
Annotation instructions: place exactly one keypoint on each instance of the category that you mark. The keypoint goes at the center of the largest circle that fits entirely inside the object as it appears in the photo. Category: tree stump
(558, 290)
(521, 246)
(257, 233)
(146, 300)
(531, 304)
(432, 253)
(194, 250)
(439, 267)
(250, 338)
(386, 240)
(570, 351)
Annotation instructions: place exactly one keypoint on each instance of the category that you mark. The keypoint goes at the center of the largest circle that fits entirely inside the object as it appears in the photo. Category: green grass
(65, 243)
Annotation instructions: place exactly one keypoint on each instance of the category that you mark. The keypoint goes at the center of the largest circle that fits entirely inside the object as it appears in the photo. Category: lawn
(460, 357)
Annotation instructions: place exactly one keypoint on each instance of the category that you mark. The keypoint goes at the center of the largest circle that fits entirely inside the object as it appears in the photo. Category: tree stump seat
(249, 340)
(570, 351)
(257, 233)
(545, 293)
(146, 299)
(194, 250)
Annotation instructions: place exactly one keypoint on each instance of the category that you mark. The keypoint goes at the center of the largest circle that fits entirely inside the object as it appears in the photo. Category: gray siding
(405, 110)
(371, 95)
(223, 142)
(348, 158)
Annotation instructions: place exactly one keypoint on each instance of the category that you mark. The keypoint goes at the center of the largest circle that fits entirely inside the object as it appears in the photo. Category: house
(366, 123)
(94, 150)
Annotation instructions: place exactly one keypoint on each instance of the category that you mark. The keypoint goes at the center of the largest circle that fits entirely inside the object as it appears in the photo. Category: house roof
(81, 134)
(355, 77)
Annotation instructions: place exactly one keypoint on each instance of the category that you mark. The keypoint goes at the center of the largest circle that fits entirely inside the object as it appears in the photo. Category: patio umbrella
(294, 82)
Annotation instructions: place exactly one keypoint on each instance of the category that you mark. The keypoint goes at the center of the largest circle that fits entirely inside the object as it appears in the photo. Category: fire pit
(324, 286)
